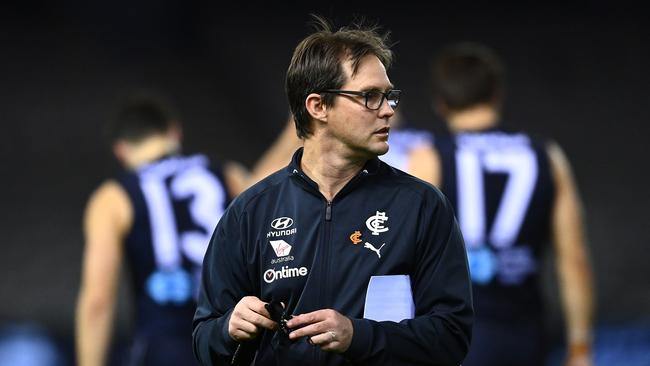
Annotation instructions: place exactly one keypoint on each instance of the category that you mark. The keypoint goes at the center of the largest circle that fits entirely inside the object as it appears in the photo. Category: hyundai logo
(282, 223)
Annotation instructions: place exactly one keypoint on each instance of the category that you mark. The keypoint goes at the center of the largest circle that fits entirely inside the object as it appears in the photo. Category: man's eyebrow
(377, 88)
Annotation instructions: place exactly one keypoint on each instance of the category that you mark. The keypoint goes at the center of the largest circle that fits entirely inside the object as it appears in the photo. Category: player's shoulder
(107, 190)
(174, 163)
(109, 197)
(522, 136)
(499, 138)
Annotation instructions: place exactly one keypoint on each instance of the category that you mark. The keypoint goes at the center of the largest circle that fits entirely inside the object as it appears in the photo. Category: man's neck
(473, 119)
(329, 168)
(150, 150)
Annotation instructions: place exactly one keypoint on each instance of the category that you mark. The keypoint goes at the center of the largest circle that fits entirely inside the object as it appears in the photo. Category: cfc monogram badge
(376, 223)
(355, 237)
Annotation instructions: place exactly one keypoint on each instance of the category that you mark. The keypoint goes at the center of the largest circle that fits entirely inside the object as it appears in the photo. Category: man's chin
(370, 152)
(381, 150)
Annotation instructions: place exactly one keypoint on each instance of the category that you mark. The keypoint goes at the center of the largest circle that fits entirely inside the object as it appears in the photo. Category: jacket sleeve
(440, 332)
(224, 282)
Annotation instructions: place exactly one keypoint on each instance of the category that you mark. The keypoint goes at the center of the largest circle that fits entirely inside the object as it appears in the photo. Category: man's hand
(326, 328)
(248, 318)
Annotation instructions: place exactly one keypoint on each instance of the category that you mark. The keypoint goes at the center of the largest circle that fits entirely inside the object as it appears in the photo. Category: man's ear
(175, 131)
(440, 107)
(121, 151)
(316, 107)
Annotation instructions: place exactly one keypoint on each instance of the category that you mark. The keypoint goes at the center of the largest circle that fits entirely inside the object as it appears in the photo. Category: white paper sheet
(389, 298)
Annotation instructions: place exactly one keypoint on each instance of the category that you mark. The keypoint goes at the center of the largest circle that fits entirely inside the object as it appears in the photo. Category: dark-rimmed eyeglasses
(374, 99)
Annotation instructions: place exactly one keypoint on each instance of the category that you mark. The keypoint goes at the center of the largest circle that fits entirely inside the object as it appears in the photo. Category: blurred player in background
(158, 215)
(512, 193)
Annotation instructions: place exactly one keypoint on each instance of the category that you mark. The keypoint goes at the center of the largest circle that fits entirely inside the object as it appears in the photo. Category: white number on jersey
(520, 164)
(206, 208)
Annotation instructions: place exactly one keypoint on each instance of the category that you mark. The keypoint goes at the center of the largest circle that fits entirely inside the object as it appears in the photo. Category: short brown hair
(317, 61)
(467, 74)
(141, 115)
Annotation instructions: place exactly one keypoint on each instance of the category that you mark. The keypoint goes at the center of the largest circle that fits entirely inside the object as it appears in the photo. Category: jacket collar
(371, 167)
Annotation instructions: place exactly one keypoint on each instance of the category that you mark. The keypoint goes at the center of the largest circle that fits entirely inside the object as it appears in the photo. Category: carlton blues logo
(356, 237)
(376, 223)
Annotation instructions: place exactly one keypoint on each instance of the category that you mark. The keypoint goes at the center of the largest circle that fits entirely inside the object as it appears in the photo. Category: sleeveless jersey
(401, 143)
(501, 187)
(177, 202)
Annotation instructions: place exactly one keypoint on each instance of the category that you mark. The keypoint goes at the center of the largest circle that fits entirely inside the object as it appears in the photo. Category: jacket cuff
(230, 345)
(361, 344)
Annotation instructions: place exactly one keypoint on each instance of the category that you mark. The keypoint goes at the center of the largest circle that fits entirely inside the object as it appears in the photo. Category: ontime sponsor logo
(271, 274)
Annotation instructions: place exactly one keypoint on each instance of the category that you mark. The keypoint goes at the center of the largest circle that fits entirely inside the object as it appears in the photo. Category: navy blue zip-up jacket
(282, 240)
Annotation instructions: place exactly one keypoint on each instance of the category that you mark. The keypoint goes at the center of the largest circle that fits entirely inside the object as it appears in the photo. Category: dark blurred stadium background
(577, 72)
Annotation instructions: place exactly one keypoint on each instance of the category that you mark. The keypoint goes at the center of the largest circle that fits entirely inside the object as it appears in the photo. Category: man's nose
(385, 109)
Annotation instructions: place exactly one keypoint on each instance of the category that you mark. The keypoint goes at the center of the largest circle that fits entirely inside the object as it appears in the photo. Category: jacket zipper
(328, 211)
(326, 249)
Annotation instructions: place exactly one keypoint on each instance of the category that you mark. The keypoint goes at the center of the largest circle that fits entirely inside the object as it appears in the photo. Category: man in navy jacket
(310, 236)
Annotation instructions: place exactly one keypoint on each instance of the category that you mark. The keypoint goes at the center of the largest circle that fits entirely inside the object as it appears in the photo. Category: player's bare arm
(237, 178)
(106, 219)
(573, 267)
(279, 153)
